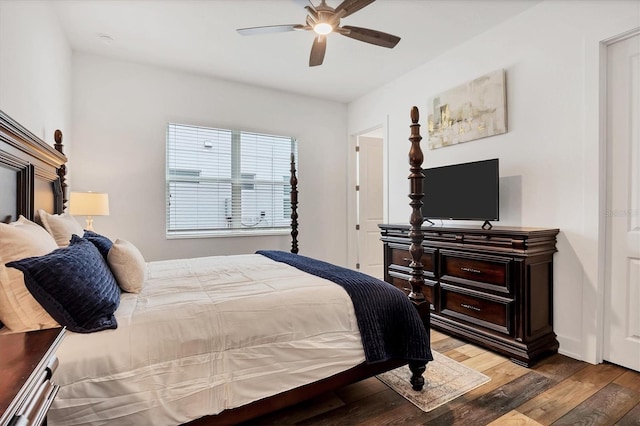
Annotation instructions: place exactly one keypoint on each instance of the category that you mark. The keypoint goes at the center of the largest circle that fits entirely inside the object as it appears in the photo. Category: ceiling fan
(323, 20)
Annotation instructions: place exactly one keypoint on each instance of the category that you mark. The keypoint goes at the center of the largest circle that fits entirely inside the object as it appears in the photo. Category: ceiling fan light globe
(323, 28)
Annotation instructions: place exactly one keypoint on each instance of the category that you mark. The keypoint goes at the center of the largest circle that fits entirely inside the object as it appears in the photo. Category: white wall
(35, 68)
(549, 159)
(120, 114)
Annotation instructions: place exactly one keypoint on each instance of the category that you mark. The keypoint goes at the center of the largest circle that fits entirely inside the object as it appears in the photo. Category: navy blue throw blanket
(389, 324)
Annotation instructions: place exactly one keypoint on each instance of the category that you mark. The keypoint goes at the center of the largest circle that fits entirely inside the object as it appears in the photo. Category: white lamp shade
(89, 204)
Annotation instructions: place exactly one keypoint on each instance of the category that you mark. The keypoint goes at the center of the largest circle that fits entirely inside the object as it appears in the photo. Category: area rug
(444, 380)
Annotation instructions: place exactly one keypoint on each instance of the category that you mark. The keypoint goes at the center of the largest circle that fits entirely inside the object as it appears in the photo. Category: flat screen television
(466, 191)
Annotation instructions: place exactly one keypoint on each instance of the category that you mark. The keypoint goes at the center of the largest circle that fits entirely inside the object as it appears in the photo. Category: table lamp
(89, 204)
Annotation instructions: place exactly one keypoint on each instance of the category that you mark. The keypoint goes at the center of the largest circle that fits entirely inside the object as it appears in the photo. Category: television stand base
(487, 225)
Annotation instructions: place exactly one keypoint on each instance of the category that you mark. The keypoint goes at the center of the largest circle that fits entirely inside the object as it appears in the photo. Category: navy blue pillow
(74, 285)
(102, 243)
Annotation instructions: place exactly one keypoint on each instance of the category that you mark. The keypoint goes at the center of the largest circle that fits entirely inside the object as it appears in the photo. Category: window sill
(227, 234)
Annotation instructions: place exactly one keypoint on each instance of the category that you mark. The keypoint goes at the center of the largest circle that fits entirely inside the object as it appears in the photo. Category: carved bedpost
(62, 170)
(416, 178)
(294, 205)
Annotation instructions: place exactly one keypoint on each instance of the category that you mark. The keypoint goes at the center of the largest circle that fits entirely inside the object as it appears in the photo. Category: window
(222, 182)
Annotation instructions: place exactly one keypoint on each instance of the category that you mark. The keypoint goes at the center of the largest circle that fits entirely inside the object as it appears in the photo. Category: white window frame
(181, 170)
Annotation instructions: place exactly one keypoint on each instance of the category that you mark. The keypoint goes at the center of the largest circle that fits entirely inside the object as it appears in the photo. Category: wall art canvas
(468, 112)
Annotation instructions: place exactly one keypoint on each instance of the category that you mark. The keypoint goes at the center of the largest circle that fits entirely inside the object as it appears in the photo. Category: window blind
(223, 181)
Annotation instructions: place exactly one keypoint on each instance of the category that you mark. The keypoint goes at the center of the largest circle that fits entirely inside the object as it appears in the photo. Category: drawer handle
(406, 259)
(38, 400)
(475, 271)
(52, 366)
(473, 308)
(406, 289)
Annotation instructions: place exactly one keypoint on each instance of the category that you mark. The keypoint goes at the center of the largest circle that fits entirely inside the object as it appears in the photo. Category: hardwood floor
(557, 391)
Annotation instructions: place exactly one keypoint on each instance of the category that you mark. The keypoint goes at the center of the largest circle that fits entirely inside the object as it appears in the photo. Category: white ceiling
(199, 36)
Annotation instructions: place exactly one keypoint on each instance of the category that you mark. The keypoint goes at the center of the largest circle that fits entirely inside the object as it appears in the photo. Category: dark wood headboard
(32, 173)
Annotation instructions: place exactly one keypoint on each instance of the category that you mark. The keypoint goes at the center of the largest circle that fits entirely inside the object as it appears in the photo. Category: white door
(622, 308)
(369, 206)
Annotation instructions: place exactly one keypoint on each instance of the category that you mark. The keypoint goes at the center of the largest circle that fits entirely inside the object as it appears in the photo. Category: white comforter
(204, 335)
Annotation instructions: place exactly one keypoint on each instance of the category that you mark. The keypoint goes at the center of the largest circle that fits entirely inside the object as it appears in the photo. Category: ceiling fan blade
(348, 7)
(371, 36)
(270, 29)
(317, 50)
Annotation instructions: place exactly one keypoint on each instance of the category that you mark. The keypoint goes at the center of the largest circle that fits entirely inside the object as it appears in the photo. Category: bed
(218, 347)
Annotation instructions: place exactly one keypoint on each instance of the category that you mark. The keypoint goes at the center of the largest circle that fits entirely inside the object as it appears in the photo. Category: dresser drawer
(492, 312)
(400, 259)
(401, 281)
(486, 272)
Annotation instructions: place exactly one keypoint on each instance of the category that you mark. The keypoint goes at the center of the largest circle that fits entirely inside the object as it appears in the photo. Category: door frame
(352, 234)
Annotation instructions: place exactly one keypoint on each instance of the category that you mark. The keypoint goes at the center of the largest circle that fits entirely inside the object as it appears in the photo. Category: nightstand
(27, 363)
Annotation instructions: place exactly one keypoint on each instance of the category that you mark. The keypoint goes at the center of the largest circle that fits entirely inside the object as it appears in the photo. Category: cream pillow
(60, 226)
(19, 311)
(128, 266)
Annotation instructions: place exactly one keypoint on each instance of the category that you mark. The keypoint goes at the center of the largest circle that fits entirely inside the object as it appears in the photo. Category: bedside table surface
(20, 357)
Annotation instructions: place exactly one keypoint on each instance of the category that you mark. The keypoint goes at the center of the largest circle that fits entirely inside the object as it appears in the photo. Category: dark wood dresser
(27, 364)
(492, 287)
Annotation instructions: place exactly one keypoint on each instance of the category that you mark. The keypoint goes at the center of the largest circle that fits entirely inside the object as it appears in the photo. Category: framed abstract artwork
(474, 110)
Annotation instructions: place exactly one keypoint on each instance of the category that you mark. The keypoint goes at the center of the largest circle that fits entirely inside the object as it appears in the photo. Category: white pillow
(19, 311)
(61, 226)
(128, 266)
